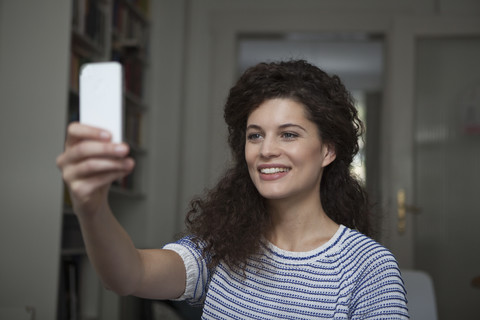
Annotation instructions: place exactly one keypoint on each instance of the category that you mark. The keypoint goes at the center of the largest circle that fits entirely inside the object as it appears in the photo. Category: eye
(289, 135)
(254, 136)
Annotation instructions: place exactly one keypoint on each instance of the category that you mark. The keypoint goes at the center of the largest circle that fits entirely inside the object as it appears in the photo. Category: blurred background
(412, 66)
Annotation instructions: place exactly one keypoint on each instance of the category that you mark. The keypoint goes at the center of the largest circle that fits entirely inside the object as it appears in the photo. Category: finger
(97, 166)
(92, 149)
(77, 131)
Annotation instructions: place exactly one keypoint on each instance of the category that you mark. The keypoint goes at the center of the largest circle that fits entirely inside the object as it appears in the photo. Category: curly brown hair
(231, 218)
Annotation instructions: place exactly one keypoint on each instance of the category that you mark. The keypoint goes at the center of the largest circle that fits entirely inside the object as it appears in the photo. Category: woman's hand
(89, 164)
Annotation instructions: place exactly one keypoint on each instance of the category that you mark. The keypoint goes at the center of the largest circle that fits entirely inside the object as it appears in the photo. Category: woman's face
(284, 152)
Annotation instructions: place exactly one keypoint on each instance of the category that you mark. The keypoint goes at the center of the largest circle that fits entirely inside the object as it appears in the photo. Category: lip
(272, 176)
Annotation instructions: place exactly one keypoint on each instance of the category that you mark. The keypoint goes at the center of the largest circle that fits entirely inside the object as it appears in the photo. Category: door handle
(402, 209)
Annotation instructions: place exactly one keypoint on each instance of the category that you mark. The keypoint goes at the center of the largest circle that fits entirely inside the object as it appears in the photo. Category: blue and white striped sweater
(349, 277)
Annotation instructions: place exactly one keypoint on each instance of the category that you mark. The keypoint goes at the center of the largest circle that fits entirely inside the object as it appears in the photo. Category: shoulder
(379, 289)
(354, 245)
(366, 261)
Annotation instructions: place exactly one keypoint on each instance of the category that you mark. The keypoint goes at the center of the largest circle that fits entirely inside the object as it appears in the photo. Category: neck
(299, 226)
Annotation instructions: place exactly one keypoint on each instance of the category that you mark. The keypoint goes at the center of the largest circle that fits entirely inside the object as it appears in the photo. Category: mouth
(273, 170)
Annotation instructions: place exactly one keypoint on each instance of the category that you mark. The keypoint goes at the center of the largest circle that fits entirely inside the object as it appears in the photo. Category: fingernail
(121, 148)
(104, 134)
(129, 164)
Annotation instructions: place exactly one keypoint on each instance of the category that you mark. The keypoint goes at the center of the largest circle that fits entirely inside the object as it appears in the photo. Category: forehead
(279, 111)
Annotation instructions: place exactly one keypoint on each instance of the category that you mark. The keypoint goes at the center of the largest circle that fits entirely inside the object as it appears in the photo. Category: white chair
(420, 294)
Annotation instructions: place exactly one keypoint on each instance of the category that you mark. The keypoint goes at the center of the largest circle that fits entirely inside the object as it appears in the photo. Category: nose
(269, 148)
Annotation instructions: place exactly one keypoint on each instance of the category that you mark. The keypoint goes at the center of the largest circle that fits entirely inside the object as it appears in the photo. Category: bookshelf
(103, 30)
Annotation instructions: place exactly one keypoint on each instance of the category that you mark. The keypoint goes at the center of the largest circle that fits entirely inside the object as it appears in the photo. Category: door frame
(398, 121)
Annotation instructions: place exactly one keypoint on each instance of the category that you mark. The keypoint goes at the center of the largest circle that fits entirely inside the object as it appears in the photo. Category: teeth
(273, 170)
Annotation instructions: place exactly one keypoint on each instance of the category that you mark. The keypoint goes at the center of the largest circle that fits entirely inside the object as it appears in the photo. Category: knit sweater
(349, 277)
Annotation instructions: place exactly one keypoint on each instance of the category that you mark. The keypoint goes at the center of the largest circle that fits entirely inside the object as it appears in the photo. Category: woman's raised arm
(89, 164)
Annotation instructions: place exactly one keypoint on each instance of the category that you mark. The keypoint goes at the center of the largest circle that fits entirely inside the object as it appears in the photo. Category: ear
(329, 154)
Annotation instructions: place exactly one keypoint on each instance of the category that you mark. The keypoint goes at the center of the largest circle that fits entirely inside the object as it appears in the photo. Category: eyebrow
(283, 126)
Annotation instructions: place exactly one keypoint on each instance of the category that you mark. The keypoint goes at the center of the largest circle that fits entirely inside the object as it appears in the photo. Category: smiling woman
(288, 202)
(266, 99)
(283, 234)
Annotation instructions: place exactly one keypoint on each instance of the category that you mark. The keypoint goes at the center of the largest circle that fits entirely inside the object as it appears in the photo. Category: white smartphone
(101, 97)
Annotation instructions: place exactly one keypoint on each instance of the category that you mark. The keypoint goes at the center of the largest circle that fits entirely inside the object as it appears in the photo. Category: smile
(273, 170)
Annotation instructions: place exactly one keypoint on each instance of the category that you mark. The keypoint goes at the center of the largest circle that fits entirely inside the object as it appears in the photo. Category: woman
(280, 236)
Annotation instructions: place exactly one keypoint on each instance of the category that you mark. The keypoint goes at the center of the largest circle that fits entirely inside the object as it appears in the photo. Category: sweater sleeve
(197, 274)
(380, 292)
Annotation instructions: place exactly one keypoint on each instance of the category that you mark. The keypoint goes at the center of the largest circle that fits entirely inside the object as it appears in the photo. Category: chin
(273, 195)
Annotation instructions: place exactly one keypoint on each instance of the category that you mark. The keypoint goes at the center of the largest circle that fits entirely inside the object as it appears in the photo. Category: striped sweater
(349, 277)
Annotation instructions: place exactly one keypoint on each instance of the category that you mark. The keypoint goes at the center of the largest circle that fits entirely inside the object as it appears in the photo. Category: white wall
(34, 43)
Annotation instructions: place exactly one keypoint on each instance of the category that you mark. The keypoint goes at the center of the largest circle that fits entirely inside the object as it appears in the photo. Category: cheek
(250, 159)
(249, 151)
(249, 156)
(312, 156)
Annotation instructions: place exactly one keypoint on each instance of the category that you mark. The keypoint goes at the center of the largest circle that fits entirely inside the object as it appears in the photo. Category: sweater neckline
(302, 255)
